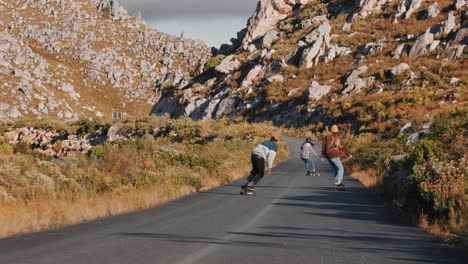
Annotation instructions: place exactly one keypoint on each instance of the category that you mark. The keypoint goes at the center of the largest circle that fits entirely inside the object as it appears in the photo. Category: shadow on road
(198, 239)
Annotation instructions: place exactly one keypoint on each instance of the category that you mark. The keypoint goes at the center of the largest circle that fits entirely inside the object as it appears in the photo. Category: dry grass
(46, 213)
(117, 178)
(368, 177)
(441, 231)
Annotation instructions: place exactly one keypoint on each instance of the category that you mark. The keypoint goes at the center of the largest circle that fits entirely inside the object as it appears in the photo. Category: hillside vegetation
(155, 160)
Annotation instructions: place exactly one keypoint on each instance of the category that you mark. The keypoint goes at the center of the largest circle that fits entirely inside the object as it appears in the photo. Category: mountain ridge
(290, 59)
(74, 59)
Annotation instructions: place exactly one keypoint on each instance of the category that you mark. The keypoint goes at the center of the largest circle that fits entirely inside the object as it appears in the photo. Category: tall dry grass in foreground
(46, 213)
(164, 160)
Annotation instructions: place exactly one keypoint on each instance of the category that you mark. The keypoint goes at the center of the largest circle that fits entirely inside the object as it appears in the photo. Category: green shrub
(23, 148)
(6, 149)
(168, 88)
(316, 8)
(98, 151)
(212, 63)
(424, 151)
(191, 180)
(442, 187)
(106, 12)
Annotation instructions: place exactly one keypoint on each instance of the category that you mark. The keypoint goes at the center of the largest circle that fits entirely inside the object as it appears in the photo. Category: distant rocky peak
(111, 9)
(267, 15)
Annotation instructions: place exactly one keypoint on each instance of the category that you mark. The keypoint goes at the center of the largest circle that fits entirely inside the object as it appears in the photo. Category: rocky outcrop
(318, 43)
(269, 38)
(66, 59)
(406, 8)
(112, 8)
(228, 64)
(459, 4)
(457, 45)
(254, 77)
(315, 91)
(48, 143)
(400, 50)
(423, 44)
(365, 7)
(267, 15)
(444, 28)
(354, 83)
(399, 69)
(431, 12)
(370, 48)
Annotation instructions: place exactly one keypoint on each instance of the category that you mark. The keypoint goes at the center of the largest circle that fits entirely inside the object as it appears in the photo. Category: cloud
(161, 9)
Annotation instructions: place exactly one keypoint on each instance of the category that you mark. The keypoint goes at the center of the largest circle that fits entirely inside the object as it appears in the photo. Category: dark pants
(258, 169)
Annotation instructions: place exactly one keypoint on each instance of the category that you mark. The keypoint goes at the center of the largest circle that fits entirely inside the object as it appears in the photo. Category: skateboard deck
(339, 189)
(247, 192)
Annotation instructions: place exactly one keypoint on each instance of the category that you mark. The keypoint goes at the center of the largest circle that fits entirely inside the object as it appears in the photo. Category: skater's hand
(350, 156)
(268, 172)
(322, 158)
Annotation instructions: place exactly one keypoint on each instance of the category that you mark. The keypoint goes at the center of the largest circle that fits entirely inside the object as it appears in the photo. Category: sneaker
(308, 173)
(341, 185)
(245, 186)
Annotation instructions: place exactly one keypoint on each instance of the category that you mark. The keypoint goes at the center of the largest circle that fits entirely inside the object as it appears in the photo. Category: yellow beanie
(334, 129)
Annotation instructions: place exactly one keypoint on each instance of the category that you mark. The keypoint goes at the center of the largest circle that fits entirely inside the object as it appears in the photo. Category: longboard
(247, 192)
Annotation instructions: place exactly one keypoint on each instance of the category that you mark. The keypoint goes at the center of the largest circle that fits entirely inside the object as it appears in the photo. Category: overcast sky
(213, 21)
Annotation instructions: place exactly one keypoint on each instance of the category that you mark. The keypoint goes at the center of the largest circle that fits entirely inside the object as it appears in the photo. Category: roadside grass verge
(162, 160)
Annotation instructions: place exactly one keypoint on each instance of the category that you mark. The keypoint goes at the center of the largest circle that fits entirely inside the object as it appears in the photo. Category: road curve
(292, 219)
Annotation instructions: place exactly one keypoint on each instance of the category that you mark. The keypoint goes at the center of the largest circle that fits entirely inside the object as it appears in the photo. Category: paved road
(292, 219)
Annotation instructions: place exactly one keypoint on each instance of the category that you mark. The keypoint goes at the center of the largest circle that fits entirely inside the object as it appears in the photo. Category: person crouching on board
(264, 151)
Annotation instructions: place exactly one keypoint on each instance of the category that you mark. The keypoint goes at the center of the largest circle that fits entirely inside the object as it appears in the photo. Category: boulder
(406, 8)
(378, 89)
(365, 7)
(370, 48)
(354, 83)
(267, 15)
(431, 12)
(459, 4)
(275, 78)
(444, 28)
(252, 75)
(112, 9)
(401, 49)
(228, 64)
(319, 40)
(422, 44)
(313, 21)
(315, 91)
(453, 52)
(269, 38)
(399, 69)
(407, 128)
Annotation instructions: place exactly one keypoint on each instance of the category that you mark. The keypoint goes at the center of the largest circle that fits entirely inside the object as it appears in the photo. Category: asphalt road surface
(293, 219)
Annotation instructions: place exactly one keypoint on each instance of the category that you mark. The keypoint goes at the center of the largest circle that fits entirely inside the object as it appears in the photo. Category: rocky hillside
(83, 58)
(301, 62)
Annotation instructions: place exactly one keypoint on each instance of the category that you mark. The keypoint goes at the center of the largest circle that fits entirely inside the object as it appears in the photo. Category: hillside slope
(303, 62)
(79, 58)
